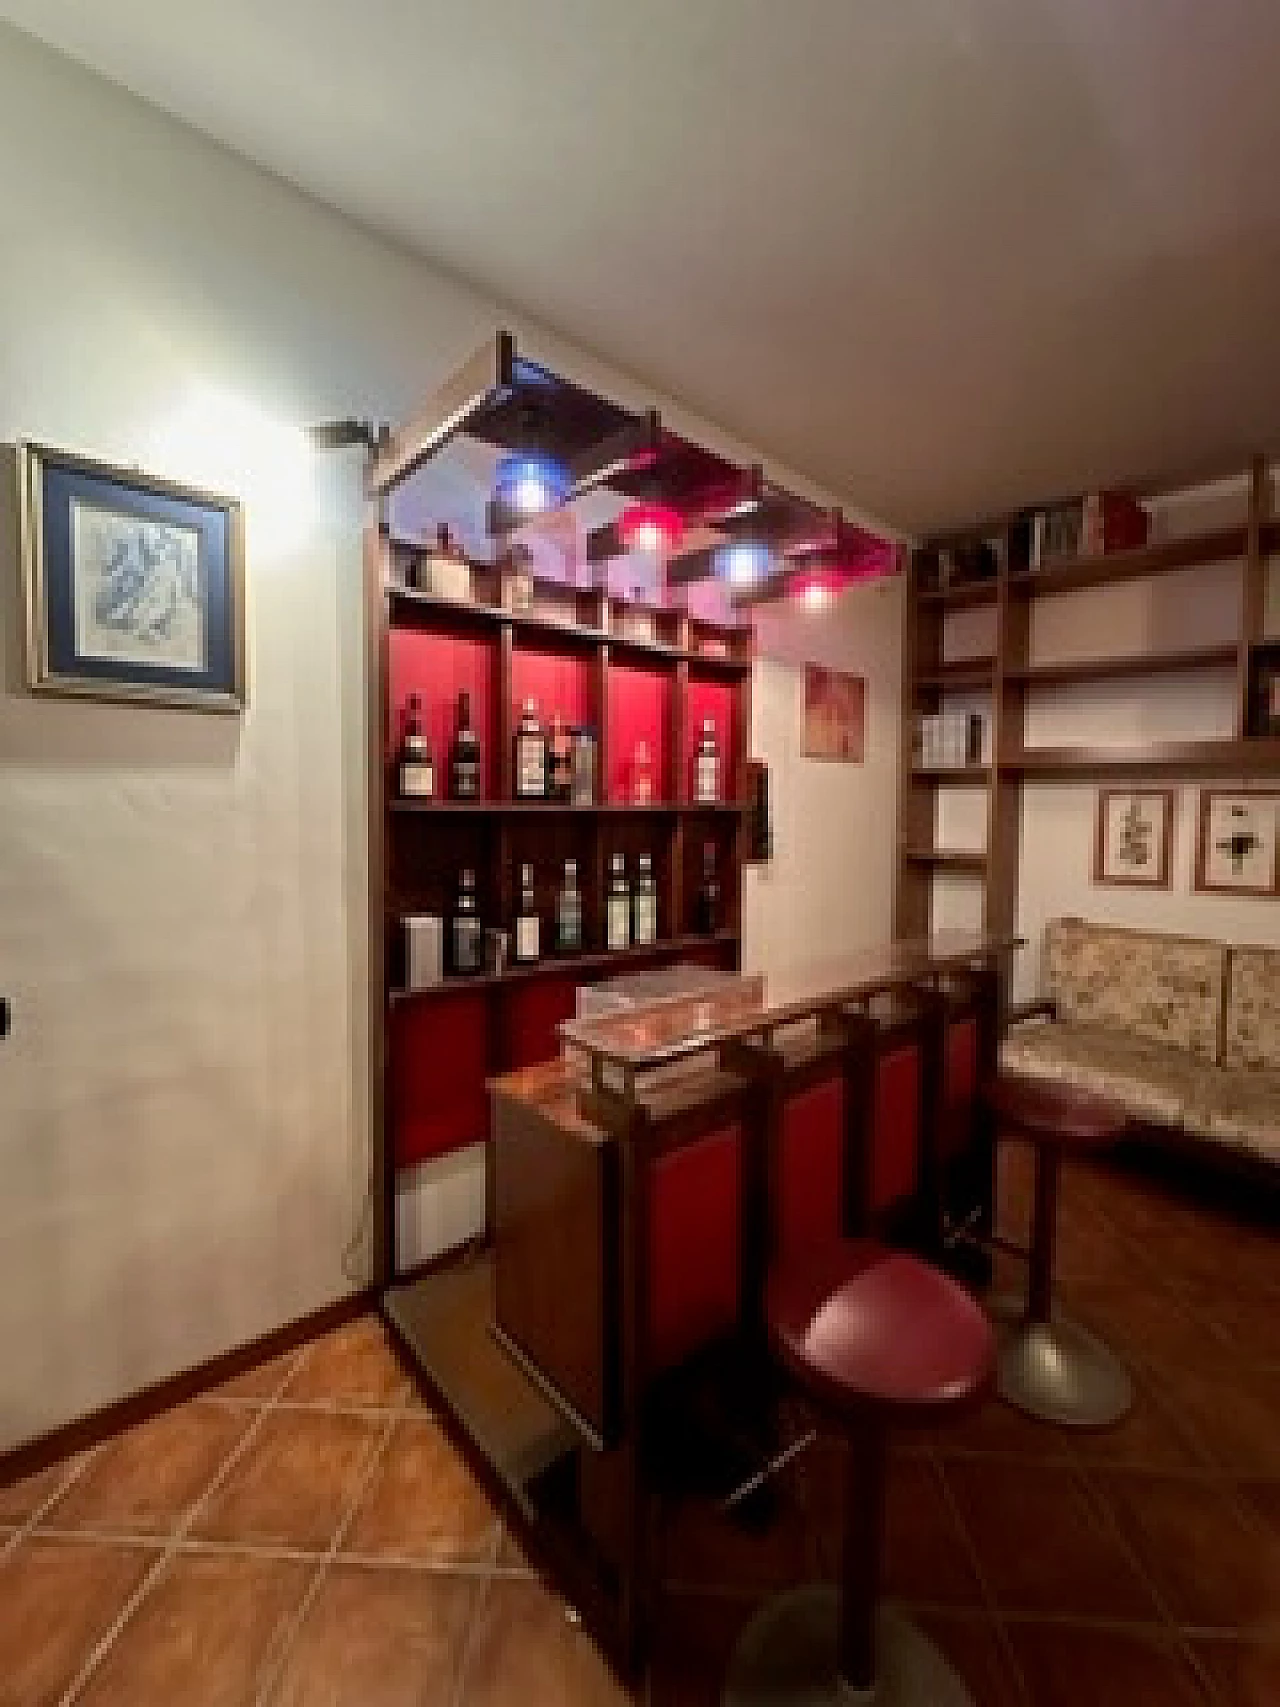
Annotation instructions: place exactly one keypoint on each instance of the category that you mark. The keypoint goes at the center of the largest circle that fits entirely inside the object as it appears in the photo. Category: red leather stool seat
(859, 1325)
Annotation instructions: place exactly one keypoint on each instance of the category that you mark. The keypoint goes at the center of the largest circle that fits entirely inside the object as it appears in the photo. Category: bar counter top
(670, 1030)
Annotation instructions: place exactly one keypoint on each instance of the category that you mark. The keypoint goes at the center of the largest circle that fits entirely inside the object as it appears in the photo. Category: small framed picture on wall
(1236, 852)
(1134, 837)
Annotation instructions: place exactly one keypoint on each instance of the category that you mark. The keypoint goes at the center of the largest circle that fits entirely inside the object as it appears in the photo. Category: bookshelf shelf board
(961, 673)
(1059, 575)
(961, 776)
(951, 859)
(1252, 757)
(567, 965)
(1114, 669)
(960, 595)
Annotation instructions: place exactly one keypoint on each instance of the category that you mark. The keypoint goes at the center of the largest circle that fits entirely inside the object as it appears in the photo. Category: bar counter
(639, 1186)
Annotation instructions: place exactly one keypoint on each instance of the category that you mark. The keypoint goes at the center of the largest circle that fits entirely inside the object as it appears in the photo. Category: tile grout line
(275, 1670)
(471, 1640)
(27, 1528)
(170, 1551)
(994, 1612)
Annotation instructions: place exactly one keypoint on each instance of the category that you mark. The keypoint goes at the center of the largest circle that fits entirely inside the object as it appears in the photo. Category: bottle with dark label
(464, 760)
(569, 911)
(531, 755)
(465, 937)
(706, 911)
(706, 767)
(618, 906)
(528, 929)
(559, 760)
(417, 769)
(644, 904)
(641, 776)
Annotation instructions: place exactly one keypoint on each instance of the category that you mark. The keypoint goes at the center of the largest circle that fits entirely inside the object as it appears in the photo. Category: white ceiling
(940, 255)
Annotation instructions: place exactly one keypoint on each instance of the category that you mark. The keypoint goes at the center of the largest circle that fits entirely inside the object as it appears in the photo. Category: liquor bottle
(706, 767)
(531, 755)
(417, 769)
(706, 911)
(644, 904)
(641, 776)
(464, 760)
(527, 925)
(618, 908)
(466, 934)
(569, 911)
(559, 760)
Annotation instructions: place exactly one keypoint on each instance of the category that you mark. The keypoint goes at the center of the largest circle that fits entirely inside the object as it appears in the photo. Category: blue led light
(528, 482)
(744, 562)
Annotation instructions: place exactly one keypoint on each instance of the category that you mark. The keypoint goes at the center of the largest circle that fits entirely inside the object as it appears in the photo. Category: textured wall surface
(183, 1105)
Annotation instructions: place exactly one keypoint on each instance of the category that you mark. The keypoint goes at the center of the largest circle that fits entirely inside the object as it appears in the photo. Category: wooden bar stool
(873, 1338)
(1050, 1367)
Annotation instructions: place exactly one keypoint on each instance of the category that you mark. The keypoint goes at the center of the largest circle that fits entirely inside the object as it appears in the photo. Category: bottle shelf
(557, 808)
(963, 776)
(561, 965)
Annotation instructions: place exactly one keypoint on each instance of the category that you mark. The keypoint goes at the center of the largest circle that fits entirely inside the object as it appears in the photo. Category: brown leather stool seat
(1051, 1367)
(874, 1338)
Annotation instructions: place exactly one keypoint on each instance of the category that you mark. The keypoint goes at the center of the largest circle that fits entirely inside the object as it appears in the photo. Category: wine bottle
(527, 924)
(464, 760)
(531, 755)
(559, 760)
(706, 769)
(618, 906)
(706, 912)
(417, 769)
(466, 934)
(644, 904)
(569, 911)
(641, 776)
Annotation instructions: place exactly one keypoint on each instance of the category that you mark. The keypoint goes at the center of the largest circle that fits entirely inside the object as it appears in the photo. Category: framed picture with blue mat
(134, 585)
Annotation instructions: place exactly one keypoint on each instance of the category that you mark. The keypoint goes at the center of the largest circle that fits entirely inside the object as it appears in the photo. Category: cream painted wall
(183, 1128)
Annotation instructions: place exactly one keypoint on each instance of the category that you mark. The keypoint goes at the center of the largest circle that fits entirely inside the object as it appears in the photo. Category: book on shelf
(949, 740)
(1091, 526)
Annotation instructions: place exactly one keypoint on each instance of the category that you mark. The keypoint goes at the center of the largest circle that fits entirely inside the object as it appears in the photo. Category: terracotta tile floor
(307, 1535)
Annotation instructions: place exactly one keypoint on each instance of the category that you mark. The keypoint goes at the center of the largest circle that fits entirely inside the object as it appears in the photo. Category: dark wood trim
(1164, 869)
(88, 1431)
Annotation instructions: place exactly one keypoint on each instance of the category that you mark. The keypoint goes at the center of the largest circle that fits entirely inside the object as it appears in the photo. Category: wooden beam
(491, 370)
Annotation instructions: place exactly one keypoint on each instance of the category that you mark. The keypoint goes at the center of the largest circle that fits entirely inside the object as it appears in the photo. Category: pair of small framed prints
(1237, 841)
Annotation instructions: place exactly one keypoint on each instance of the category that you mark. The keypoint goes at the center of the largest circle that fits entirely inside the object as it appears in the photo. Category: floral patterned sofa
(1183, 1033)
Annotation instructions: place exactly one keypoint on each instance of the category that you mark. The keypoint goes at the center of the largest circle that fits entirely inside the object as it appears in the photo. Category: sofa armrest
(1044, 1007)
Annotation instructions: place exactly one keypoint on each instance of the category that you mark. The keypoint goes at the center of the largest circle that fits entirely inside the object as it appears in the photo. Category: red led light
(650, 527)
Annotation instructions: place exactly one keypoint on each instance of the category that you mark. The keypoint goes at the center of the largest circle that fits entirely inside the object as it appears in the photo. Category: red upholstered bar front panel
(694, 1245)
(439, 1051)
(639, 710)
(959, 1085)
(530, 1014)
(895, 1146)
(810, 1176)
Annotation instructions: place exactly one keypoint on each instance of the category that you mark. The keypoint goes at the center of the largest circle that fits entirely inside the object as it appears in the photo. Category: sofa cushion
(1151, 1081)
(1240, 1109)
(1252, 1039)
(1164, 989)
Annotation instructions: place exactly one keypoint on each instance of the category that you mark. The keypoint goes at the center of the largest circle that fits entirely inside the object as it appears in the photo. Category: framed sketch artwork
(1133, 837)
(835, 715)
(1236, 853)
(134, 585)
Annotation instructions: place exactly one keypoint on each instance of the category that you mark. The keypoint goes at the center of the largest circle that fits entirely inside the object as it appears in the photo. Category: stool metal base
(787, 1658)
(1059, 1373)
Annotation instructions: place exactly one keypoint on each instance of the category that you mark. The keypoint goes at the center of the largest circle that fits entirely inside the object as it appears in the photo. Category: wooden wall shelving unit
(1009, 678)
(442, 1044)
